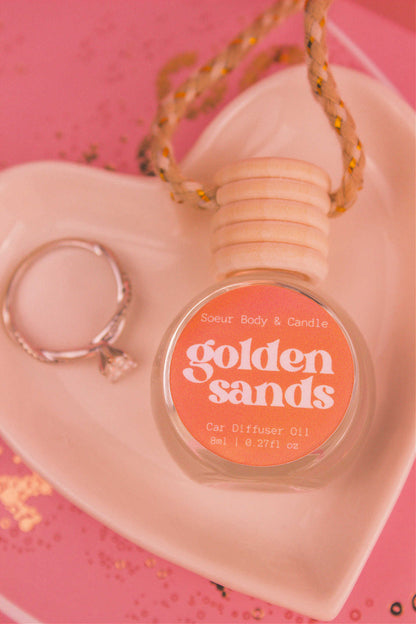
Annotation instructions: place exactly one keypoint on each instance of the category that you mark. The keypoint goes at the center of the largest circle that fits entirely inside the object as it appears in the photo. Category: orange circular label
(261, 374)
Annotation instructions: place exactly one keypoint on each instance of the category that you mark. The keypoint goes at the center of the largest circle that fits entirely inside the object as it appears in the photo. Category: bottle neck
(280, 275)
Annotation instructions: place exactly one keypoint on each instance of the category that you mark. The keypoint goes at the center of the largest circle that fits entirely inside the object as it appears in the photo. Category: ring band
(113, 363)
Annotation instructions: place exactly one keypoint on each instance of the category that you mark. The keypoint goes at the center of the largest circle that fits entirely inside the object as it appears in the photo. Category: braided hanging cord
(173, 108)
(325, 91)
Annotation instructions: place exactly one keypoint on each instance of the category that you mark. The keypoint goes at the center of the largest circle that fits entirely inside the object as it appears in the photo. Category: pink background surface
(78, 83)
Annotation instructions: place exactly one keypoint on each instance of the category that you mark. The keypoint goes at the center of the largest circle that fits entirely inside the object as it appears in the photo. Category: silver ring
(113, 363)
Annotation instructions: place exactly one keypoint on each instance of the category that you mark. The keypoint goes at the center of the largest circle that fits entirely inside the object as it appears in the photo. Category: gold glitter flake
(91, 154)
(143, 157)
(319, 84)
(258, 613)
(352, 165)
(220, 588)
(120, 564)
(337, 123)
(203, 195)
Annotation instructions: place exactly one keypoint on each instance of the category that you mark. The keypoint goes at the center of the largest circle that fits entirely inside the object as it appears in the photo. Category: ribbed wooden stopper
(273, 214)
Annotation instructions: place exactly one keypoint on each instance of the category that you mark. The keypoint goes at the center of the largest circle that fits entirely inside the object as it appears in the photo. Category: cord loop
(173, 108)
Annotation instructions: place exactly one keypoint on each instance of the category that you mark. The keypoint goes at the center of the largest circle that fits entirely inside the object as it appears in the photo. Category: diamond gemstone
(114, 363)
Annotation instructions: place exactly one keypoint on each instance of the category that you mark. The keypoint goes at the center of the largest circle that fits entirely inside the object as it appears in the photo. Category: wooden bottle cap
(270, 231)
(274, 188)
(273, 214)
(266, 167)
(285, 210)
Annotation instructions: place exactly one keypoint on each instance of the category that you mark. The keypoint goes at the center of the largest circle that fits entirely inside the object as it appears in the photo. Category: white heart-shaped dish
(98, 444)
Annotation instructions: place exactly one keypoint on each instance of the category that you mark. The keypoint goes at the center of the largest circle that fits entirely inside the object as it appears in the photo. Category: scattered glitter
(369, 602)
(91, 154)
(220, 588)
(120, 564)
(161, 574)
(396, 608)
(258, 613)
(14, 491)
(143, 157)
(5, 523)
(150, 563)
(355, 615)
(17, 459)
(288, 615)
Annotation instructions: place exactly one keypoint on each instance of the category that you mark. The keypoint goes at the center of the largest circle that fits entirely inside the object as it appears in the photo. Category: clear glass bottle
(261, 381)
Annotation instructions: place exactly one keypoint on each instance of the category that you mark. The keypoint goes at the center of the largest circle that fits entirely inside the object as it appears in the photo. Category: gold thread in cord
(172, 109)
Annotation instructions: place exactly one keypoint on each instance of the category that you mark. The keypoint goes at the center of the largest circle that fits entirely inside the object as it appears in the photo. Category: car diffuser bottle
(261, 380)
